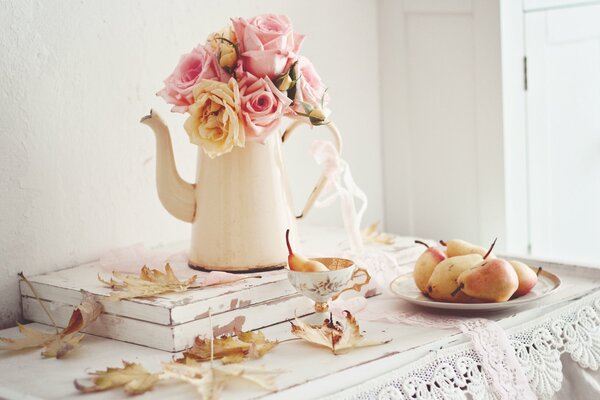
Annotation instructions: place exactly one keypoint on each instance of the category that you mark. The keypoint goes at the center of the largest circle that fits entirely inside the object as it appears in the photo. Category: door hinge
(525, 73)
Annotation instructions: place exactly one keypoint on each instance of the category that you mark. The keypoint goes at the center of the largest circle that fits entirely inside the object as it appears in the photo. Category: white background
(77, 169)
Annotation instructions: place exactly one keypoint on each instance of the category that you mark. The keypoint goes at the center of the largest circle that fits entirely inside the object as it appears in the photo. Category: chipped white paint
(171, 321)
(311, 372)
(175, 337)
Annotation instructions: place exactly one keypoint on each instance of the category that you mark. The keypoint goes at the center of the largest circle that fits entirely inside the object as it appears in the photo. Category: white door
(563, 129)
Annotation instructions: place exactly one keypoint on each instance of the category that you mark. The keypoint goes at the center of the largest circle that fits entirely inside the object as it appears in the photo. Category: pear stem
(490, 250)
(458, 289)
(287, 242)
(538, 271)
(443, 243)
(421, 242)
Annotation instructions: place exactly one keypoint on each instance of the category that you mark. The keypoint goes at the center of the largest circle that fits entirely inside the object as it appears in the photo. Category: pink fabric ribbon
(341, 185)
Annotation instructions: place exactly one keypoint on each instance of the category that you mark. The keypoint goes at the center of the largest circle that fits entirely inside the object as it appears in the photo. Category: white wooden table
(313, 372)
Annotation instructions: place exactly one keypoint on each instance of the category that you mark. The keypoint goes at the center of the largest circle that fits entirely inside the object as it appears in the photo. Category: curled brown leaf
(87, 312)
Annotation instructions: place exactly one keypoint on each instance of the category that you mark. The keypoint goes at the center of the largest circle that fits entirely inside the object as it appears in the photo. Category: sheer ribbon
(341, 185)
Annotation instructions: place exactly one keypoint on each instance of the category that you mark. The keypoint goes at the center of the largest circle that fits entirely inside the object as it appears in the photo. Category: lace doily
(458, 373)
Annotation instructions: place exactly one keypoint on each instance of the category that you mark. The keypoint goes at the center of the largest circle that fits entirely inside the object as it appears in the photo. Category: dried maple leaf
(210, 381)
(31, 338)
(259, 344)
(134, 378)
(371, 234)
(333, 335)
(152, 282)
(224, 346)
(231, 349)
(55, 344)
(58, 343)
(259, 375)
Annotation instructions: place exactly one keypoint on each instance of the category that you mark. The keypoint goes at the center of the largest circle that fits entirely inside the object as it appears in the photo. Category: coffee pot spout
(175, 194)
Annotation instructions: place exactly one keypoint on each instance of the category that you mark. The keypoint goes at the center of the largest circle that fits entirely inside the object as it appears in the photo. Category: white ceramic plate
(405, 288)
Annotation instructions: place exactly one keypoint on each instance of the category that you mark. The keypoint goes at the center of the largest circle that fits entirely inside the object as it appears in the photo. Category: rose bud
(284, 83)
(227, 57)
(317, 117)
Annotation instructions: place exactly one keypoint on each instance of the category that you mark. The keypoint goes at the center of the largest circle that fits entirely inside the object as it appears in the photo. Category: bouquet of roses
(238, 85)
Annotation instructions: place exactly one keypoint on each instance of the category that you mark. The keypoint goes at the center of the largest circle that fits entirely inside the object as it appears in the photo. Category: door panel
(563, 112)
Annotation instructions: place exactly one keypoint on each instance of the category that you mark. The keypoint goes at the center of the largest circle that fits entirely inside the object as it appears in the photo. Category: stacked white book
(170, 322)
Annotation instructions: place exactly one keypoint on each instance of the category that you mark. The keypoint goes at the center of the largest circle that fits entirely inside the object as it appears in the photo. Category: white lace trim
(458, 372)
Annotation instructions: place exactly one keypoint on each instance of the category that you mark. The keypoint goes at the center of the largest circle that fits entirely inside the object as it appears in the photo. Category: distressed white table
(557, 341)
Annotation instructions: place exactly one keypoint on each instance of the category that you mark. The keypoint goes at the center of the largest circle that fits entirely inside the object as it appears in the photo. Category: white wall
(442, 119)
(77, 170)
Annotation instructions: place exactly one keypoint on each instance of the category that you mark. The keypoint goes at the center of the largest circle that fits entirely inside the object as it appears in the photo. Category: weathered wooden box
(170, 322)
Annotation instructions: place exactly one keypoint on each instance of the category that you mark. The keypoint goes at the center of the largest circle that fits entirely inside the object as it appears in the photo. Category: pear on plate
(425, 265)
(527, 277)
(490, 280)
(297, 262)
(458, 247)
(443, 281)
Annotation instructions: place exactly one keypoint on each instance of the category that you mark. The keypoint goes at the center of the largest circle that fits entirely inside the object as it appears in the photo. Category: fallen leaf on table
(57, 344)
(210, 381)
(232, 349)
(260, 375)
(134, 379)
(31, 338)
(333, 335)
(371, 234)
(152, 282)
(61, 345)
(259, 344)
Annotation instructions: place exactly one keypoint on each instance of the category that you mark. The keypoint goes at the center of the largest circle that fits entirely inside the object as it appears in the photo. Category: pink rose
(309, 88)
(262, 107)
(268, 45)
(199, 64)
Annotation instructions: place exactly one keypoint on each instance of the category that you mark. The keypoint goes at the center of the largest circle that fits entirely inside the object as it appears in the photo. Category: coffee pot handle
(323, 179)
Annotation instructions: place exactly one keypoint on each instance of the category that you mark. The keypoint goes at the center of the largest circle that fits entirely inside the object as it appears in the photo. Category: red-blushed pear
(443, 280)
(490, 280)
(425, 265)
(458, 247)
(297, 262)
(527, 277)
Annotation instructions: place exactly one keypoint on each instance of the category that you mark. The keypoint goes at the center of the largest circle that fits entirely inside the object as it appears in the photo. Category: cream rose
(213, 123)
